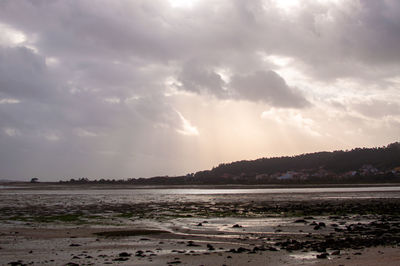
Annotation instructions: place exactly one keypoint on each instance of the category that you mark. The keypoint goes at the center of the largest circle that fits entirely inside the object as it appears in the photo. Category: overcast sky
(120, 89)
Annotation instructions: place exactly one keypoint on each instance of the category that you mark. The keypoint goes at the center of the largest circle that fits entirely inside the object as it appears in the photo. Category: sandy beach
(62, 227)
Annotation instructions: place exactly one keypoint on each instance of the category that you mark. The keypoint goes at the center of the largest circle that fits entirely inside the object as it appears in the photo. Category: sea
(12, 196)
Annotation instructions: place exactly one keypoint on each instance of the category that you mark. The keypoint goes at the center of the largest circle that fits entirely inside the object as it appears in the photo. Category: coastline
(57, 185)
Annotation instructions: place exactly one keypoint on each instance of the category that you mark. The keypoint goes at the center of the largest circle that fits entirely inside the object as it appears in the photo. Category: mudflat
(212, 227)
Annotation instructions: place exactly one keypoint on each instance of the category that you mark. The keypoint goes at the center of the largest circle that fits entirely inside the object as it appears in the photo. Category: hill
(360, 165)
(357, 165)
(337, 162)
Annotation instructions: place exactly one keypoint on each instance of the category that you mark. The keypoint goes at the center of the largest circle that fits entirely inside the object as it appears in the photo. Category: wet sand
(351, 228)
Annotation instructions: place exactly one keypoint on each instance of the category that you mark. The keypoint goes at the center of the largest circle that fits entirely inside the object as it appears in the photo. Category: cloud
(87, 83)
(260, 86)
(9, 101)
(197, 78)
(85, 133)
(268, 87)
(23, 74)
(12, 132)
(378, 108)
(10, 36)
(292, 120)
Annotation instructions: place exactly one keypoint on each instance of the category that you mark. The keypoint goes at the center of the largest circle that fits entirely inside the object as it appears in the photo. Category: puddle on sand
(224, 227)
(187, 251)
(306, 256)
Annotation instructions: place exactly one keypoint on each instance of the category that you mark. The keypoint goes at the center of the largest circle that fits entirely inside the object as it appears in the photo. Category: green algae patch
(126, 233)
(47, 219)
(59, 218)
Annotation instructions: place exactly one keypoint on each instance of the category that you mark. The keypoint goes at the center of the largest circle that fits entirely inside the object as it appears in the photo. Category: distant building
(368, 169)
(287, 175)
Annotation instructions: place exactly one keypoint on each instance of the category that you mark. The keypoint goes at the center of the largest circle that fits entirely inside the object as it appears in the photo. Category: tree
(34, 180)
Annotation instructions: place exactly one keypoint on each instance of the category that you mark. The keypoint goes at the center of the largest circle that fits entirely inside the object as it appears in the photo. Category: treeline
(386, 157)
(312, 168)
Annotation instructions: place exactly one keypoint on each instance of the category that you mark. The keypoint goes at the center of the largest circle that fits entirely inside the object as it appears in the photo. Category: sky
(127, 89)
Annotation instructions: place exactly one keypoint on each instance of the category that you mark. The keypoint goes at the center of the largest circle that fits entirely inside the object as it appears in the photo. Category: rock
(336, 252)
(210, 247)
(236, 226)
(120, 259)
(192, 244)
(16, 263)
(300, 221)
(199, 224)
(124, 254)
(75, 245)
(139, 253)
(241, 249)
(322, 255)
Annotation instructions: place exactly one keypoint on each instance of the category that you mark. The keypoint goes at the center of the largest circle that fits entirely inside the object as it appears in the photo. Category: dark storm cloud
(261, 86)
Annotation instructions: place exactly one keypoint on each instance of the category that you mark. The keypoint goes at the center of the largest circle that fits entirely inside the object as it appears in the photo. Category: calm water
(60, 198)
(200, 191)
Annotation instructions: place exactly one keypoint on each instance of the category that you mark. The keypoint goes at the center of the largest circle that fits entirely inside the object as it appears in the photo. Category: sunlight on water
(200, 191)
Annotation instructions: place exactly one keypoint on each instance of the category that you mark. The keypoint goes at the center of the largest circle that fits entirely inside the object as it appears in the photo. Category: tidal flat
(202, 226)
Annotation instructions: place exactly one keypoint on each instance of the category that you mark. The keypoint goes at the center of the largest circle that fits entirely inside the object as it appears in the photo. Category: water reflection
(203, 191)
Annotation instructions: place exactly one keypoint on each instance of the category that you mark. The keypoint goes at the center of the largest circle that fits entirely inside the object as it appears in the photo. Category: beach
(200, 226)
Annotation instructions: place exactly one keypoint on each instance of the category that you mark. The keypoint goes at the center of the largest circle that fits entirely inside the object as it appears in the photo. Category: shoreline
(56, 185)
